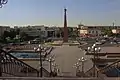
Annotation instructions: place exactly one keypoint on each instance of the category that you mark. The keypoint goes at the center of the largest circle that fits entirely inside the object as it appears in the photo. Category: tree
(17, 31)
(6, 34)
(107, 32)
(23, 36)
(70, 31)
(12, 33)
(58, 34)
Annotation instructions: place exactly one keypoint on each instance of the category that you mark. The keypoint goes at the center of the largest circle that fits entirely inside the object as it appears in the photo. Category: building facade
(93, 31)
(116, 31)
(40, 31)
(4, 28)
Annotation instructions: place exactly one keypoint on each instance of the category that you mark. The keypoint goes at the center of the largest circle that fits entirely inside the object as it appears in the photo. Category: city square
(52, 42)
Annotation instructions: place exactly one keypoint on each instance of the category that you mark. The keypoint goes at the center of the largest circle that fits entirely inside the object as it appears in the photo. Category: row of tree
(25, 37)
(11, 35)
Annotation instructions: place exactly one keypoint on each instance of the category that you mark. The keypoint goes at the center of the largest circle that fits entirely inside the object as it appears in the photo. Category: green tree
(70, 31)
(6, 34)
(12, 33)
(17, 31)
(23, 36)
(107, 32)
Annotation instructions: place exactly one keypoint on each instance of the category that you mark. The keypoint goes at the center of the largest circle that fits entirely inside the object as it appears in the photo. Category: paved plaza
(66, 56)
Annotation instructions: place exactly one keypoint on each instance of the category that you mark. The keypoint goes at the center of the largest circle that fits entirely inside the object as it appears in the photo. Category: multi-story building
(42, 31)
(4, 28)
(31, 31)
(93, 31)
(52, 31)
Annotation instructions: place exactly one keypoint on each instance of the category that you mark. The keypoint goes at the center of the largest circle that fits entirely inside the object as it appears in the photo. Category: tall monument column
(65, 38)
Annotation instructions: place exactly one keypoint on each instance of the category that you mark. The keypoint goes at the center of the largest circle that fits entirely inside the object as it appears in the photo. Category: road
(66, 56)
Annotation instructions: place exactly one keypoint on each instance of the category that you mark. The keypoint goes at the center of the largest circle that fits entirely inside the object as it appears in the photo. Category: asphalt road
(66, 56)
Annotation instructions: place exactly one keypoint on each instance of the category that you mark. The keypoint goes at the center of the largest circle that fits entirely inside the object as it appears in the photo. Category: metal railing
(114, 64)
(49, 51)
(100, 72)
(20, 68)
(90, 73)
(11, 66)
(38, 78)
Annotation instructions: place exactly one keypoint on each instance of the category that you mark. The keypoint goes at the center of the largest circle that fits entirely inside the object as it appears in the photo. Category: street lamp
(55, 68)
(50, 60)
(2, 2)
(40, 50)
(95, 50)
(82, 60)
(77, 65)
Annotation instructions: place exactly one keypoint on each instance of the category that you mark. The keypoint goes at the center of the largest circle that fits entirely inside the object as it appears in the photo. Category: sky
(50, 12)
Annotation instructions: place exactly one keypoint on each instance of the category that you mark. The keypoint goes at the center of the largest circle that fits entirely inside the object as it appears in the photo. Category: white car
(103, 40)
(113, 43)
(98, 43)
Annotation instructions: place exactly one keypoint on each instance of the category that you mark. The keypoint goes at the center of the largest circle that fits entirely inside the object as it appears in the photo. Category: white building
(90, 31)
(116, 31)
(93, 31)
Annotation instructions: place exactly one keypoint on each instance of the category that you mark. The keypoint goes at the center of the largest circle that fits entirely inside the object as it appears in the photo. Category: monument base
(66, 43)
(71, 43)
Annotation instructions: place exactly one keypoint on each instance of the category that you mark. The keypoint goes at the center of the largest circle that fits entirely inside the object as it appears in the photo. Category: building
(116, 31)
(93, 31)
(52, 31)
(30, 31)
(40, 31)
(89, 31)
(4, 28)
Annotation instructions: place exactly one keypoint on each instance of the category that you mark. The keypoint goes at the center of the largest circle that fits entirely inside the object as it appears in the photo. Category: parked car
(98, 43)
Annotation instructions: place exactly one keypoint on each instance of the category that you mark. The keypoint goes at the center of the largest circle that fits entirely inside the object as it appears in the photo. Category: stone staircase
(12, 66)
(38, 78)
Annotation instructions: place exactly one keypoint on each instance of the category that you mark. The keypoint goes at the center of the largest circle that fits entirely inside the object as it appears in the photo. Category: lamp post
(55, 68)
(40, 50)
(50, 60)
(77, 66)
(95, 50)
(82, 60)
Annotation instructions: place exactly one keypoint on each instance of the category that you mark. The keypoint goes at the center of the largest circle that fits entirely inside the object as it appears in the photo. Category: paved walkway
(66, 56)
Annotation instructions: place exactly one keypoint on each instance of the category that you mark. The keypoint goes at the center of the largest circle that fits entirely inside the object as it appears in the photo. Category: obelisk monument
(65, 38)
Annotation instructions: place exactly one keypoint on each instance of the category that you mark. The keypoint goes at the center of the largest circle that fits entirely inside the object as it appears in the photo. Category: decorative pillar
(65, 38)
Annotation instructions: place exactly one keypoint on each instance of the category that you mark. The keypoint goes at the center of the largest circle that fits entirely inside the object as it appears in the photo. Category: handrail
(100, 70)
(49, 51)
(87, 73)
(18, 59)
(89, 70)
(109, 65)
(13, 66)
(39, 78)
(96, 72)
(117, 69)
